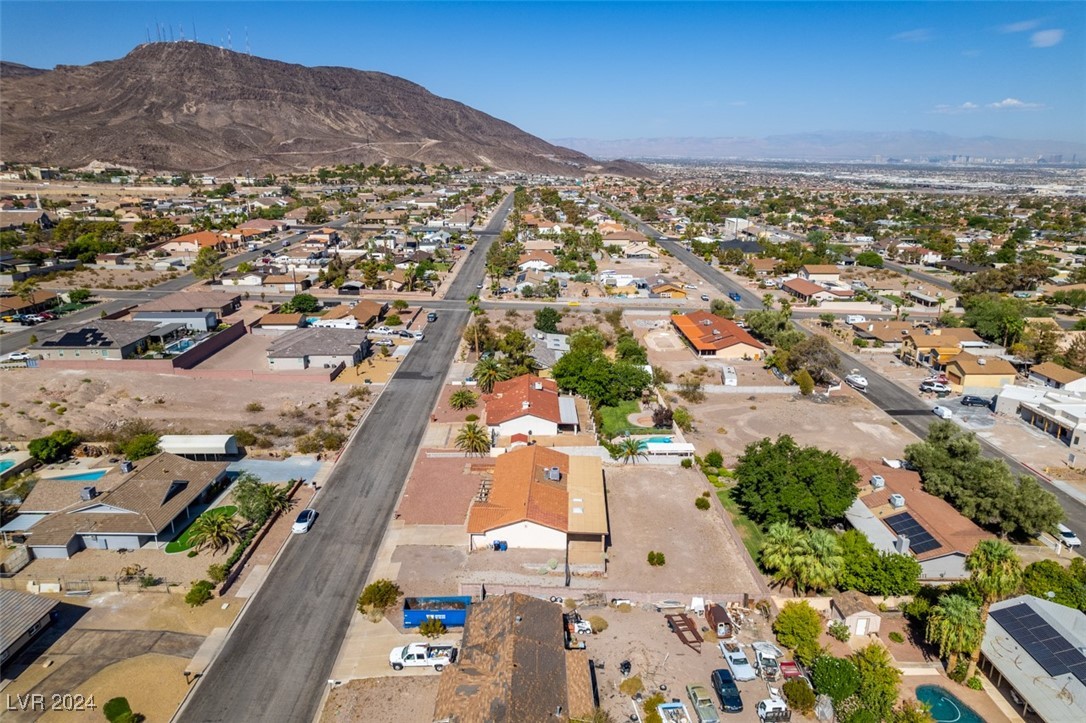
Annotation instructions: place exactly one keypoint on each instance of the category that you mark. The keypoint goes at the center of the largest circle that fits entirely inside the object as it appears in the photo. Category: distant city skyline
(645, 70)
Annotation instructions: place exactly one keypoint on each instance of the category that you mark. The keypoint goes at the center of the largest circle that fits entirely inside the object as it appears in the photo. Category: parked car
(773, 710)
(432, 316)
(1068, 537)
(384, 342)
(304, 521)
(734, 296)
(970, 400)
(704, 297)
(703, 704)
(727, 691)
(383, 330)
(737, 661)
(47, 315)
(405, 334)
(422, 655)
(18, 356)
(942, 412)
(937, 387)
(417, 336)
(857, 382)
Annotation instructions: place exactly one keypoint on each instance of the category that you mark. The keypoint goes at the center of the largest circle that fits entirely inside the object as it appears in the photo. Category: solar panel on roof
(1045, 644)
(920, 540)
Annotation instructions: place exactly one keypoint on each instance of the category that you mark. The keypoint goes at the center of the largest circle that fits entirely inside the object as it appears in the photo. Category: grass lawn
(748, 530)
(440, 266)
(182, 542)
(615, 422)
(892, 298)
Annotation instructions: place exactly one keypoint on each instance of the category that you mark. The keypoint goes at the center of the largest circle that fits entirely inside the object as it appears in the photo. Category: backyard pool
(945, 706)
(82, 476)
(6, 464)
(657, 440)
(181, 345)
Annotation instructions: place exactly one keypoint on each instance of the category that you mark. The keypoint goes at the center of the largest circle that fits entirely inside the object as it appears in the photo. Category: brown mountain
(193, 107)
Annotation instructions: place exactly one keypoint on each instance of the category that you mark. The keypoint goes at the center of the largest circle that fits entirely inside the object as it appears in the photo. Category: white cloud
(920, 35)
(1046, 38)
(1021, 26)
(966, 107)
(1015, 104)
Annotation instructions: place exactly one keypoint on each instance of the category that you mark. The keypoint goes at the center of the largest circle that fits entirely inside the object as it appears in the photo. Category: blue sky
(627, 70)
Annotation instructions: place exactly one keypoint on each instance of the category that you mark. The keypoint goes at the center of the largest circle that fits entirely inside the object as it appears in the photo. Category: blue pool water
(6, 464)
(945, 706)
(656, 440)
(181, 345)
(83, 476)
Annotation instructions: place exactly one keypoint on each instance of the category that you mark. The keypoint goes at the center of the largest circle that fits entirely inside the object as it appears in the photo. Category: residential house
(708, 335)
(25, 615)
(104, 339)
(622, 237)
(288, 283)
(641, 251)
(1056, 376)
(542, 499)
(897, 516)
(969, 374)
(514, 666)
(263, 224)
(191, 243)
(534, 279)
(37, 300)
(369, 312)
(886, 334)
(243, 236)
(666, 289)
(328, 348)
(1036, 647)
(537, 261)
(394, 280)
(1061, 413)
(222, 303)
(856, 611)
(807, 291)
(275, 323)
(763, 267)
(529, 405)
(148, 505)
(191, 320)
(820, 273)
(324, 237)
(936, 347)
(549, 348)
(21, 218)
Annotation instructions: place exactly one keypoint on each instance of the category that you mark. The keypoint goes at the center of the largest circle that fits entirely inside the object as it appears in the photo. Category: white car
(1068, 537)
(383, 330)
(857, 381)
(417, 336)
(18, 356)
(384, 342)
(942, 412)
(304, 521)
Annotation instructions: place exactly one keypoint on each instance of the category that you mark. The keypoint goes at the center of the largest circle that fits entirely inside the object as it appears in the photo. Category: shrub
(687, 463)
(217, 572)
(53, 448)
(799, 695)
(393, 320)
(471, 418)
(649, 707)
(975, 683)
(701, 503)
(254, 407)
(631, 686)
(193, 553)
(714, 458)
(140, 446)
(380, 595)
(148, 581)
(199, 594)
(839, 631)
(835, 677)
(656, 559)
(805, 382)
(959, 672)
(432, 628)
(798, 627)
(684, 420)
(859, 343)
(118, 710)
(896, 637)
(244, 437)
(598, 624)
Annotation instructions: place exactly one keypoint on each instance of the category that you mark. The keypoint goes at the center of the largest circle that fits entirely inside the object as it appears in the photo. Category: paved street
(276, 663)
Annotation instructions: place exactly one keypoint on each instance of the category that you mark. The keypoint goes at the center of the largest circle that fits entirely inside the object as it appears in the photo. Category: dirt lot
(143, 276)
(382, 699)
(440, 489)
(652, 508)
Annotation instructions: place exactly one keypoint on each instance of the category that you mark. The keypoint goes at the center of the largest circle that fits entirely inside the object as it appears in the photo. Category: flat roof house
(543, 499)
(1037, 647)
(529, 405)
(514, 666)
(709, 335)
(150, 505)
(897, 515)
(328, 348)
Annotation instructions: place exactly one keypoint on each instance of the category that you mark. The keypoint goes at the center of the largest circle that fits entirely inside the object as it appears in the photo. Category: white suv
(1068, 537)
(383, 330)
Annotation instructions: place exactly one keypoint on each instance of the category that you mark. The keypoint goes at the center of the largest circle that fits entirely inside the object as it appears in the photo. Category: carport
(200, 447)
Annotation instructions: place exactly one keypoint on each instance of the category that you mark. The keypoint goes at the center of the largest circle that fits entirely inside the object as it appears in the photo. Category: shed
(200, 447)
(857, 611)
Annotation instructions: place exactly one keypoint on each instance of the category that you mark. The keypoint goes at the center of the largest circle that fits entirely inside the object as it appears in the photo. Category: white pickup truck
(419, 655)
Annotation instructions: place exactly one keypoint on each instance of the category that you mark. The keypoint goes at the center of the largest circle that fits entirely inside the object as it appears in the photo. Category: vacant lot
(382, 699)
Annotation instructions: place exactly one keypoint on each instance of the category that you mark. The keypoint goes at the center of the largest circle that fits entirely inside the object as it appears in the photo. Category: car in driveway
(702, 703)
(383, 342)
(737, 661)
(405, 334)
(731, 701)
(18, 356)
(704, 297)
(1069, 538)
(937, 387)
(970, 400)
(383, 330)
(304, 521)
(942, 412)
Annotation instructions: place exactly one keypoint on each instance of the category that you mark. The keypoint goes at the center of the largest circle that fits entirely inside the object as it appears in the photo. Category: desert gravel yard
(652, 508)
(382, 699)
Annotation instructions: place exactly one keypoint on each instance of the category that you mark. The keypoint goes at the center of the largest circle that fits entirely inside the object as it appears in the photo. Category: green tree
(252, 499)
(379, 595)
(546, 320)
(782, 482)
(816, 355)
(53, 448)
(1048, 576)
(782, 553)
(874, 573)
(995, 572)
(912, 711)
(835, 677)
(316, 215)
(628, 350)
(630, 450)
(798, 627)
(304, 303)
(879, 680)
(822, 562)
(140, 446)
(473, 439)
(214, 532)
(870, 259)
(489, 372)
(955, 628)
(207, 264)
(79, 296)
(995, 317)
(722, 308)
(463, 399)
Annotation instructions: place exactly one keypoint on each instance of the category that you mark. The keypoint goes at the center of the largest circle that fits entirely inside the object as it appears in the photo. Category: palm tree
(214, 532)
(954, 626)
(462, 399)
(488, 372)
(821, 561)
(630, 450)
(782, 553)
(275, 498)
(473, 439)
(995, 572)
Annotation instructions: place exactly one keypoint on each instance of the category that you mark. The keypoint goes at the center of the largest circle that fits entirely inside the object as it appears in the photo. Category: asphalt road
(904, 406)
(276, 662)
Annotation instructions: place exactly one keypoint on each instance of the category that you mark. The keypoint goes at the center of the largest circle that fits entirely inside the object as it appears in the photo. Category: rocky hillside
(189, 106)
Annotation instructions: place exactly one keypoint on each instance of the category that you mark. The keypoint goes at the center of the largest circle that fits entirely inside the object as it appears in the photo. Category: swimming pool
(181, 345)
(83, 476)
(945, 706)
(6, 464)
(658, 440)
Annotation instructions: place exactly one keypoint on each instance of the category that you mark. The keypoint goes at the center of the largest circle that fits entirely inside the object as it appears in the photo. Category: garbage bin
(503, 545)
(497, 546)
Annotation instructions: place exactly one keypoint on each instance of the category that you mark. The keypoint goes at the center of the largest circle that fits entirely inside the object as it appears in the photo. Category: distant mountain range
(827, 146)
(186, 106)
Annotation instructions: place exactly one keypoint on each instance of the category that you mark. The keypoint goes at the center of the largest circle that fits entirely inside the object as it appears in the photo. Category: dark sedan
(972, 401)
(727, 691)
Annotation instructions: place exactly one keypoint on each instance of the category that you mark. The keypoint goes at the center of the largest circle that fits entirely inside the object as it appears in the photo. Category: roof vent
(554, 474)
(126, 466)
(538, 386)
(525, 404)
(878, 482)
(707, 322)
(88, 493)
(897, 501)
(982, 361)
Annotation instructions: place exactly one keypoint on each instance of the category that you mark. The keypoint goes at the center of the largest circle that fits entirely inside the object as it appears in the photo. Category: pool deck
(21, 461)
(989, 704)
(78, 465)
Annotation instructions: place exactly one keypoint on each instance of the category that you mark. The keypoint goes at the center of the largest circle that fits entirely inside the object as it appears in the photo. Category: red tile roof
(710, 332)
(521, 492)
(509, 398)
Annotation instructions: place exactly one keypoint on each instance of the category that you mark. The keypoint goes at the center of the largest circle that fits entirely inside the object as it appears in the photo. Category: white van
(855, 319)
